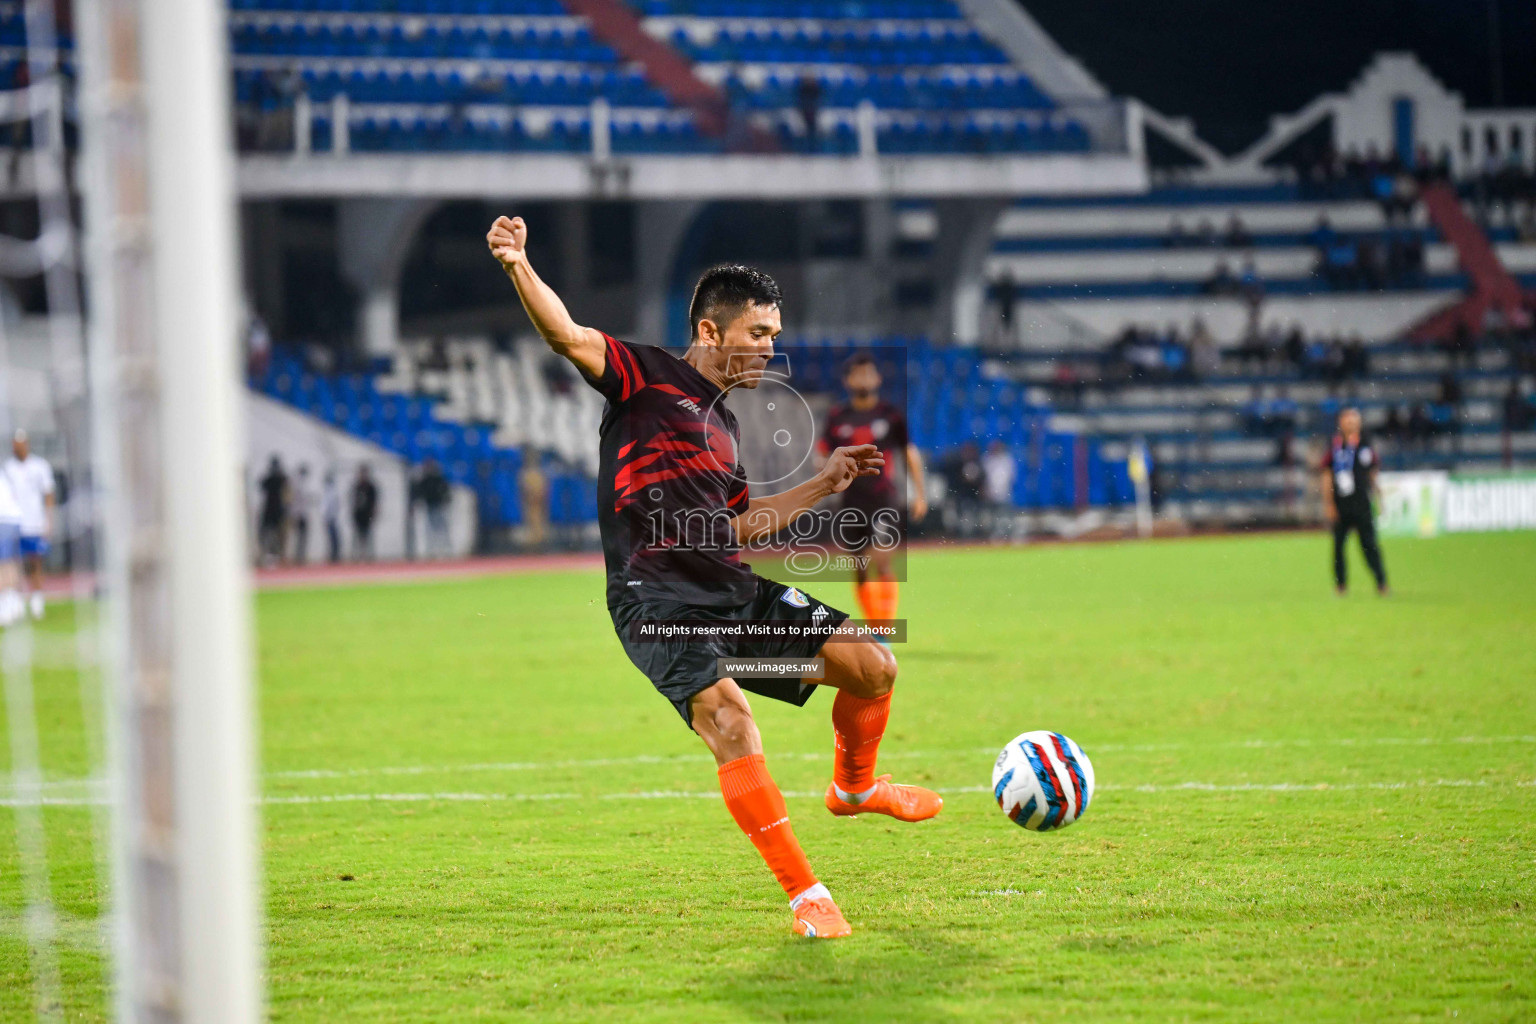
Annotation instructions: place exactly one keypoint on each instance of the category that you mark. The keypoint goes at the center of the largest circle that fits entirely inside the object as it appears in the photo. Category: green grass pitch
(1312, 808)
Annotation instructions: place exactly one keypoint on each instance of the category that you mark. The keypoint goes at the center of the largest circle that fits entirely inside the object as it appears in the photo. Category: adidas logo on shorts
(820, 613)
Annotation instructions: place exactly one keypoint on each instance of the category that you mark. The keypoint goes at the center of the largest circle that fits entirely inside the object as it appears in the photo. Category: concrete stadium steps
(1110, 266)
(1101, 262)
(1374, 402)
(1234, 450)
(1387, 359)
(1156, 220)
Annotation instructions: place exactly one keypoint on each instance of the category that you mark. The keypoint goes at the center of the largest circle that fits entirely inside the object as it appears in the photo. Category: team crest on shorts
(794, 598)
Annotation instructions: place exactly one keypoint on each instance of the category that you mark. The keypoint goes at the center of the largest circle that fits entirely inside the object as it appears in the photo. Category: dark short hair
(725, 292)
(857, 360)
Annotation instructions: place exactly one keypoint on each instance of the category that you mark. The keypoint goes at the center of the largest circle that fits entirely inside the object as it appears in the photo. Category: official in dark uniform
(1349, 480)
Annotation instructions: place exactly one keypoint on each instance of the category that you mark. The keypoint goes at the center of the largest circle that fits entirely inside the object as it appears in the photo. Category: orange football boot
(904, 803)
(820, 919)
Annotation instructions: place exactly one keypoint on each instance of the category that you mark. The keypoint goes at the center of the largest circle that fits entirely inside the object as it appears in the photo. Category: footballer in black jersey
(875, 507)
(1348, 481)
(675, 510)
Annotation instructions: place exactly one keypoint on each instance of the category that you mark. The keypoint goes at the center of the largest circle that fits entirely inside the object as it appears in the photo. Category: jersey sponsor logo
(636, 583)
(794, 598)
(690, 405)
(820, 613)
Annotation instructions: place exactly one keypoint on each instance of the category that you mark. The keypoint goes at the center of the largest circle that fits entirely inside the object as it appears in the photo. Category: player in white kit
(31, 480)
(11, 606)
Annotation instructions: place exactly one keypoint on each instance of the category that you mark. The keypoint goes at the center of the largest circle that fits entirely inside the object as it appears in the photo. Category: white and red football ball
(1043, 781)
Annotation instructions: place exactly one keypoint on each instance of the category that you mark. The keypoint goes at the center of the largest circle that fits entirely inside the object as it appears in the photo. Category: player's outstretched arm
(766, 516)
(583, 346)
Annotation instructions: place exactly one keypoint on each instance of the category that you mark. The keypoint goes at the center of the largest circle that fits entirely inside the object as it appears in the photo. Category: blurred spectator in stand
(1145, 357)
(533, 494)
(272, 521)
(1251, 287)
(1175, 356)
(1283, 413)
(1221, 281)
(1315, 361)
(1338, 264)
(1525, 227)
(1205, 233)
(1333, 363)
(1251, 350)
(1370, 264)
(1000, 471)
(1068, 383)
(435, 497)
(1394, 426)
(1255, 413)
(1237, 236)
(303, 507)
(412, 499)
(1177, 237)
(365, 509)
(1323, 236)
(1357, 361)
(330, 511)
(1295, 348)
(808, 101)
(1518, 412)
(258, 348)
(1455, 344)
(1007, 297)
(1204, 354)
(436, 357)
(966, 476)
(1419, 425)
(1285, 450)
(1396, 193)
(1450, 389)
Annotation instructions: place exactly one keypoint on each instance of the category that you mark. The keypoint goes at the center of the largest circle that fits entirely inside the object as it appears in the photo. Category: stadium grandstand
(1075, 278)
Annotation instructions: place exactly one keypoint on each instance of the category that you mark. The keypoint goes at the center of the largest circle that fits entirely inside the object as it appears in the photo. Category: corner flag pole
(1137, 465)
(160, 212)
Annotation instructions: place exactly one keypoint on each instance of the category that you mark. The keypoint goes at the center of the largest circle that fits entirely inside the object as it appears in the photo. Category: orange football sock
(868, 601)
(758, 807)
(858, 723)
(878, 598)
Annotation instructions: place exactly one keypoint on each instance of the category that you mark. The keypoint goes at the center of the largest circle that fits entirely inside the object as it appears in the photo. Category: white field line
(710, 794)
(82, 792)
(645, 759)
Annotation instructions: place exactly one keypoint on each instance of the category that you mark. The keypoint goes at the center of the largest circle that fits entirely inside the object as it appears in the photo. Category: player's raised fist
(848, 464)
(506, 239)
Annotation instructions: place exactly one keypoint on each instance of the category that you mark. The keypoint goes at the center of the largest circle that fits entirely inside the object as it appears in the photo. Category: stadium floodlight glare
(161, 222)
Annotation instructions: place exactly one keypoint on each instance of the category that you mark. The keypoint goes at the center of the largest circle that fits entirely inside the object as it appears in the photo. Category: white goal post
(161, 254)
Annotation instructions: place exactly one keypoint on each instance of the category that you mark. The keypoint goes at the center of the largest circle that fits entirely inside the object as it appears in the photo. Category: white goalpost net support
(160, 215)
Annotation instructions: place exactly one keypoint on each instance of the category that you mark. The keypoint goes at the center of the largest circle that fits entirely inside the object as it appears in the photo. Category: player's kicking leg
(864, 673)
(723, 720)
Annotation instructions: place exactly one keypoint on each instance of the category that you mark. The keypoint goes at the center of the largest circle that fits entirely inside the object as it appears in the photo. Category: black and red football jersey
(669, 482)
(883, 425)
